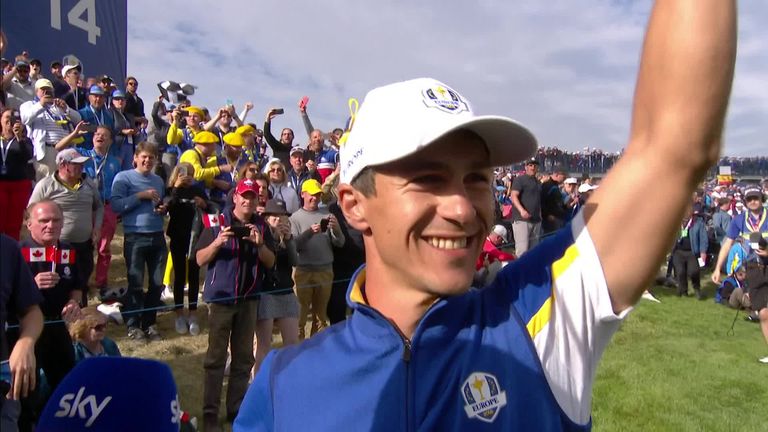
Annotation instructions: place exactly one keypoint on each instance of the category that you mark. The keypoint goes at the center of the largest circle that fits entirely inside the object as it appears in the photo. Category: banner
(95, 33)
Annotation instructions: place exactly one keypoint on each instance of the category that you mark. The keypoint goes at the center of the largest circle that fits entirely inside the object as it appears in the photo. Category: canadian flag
(213, 220)
(66, 256)
(37, 254)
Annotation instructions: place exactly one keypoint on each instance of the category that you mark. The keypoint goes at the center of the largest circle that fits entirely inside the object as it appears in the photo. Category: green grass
(673, 367)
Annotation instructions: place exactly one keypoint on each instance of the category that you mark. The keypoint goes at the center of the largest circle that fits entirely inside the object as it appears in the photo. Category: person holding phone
(15, 182)
(280, 148)
(98, 113)
(237, 249)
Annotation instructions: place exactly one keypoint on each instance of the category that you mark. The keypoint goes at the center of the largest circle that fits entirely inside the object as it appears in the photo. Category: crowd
(195, 188)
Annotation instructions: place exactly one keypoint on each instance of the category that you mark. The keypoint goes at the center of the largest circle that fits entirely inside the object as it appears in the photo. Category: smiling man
(423, 351)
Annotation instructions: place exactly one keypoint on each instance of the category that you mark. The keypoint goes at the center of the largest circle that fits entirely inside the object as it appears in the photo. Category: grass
(671, 366)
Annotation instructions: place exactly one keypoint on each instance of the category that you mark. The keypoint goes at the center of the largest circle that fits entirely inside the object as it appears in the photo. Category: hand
(95, 237)
(23, 369)
(200, 203)
(183, 180)
(763, 253)
(160, 98)
(524, 214)
(225, 168)
(311, 165)
(61, 104)
(80, 128)
(161, 209)
(176, 115)
(149, 194)
(47, 280)
(222, 184)
(284, 227)
(71, 311)
(333, 223)
(248, 106)
(271, 114)
(128, 131)
(255, 236)
(716, 275)
(19, 131)
(230, 109)
(315, 228)
(225, 234)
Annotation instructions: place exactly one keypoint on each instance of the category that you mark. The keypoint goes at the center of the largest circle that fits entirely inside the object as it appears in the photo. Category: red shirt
(492, 253)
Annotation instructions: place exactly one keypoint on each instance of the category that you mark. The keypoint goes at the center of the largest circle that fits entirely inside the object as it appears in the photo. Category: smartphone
(90, 128)
(183, 171)
(241, 231)
(324, 225)
(279, 111)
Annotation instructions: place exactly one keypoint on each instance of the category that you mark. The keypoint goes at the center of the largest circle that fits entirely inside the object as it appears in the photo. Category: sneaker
(153, 334)
(648, 296)
(181, 325)
(194, 327)
(136, 334)
(763, 360)
(167, 294)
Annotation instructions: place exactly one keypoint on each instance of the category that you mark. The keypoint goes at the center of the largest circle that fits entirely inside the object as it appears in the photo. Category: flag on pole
(213, 220)
(38, 254)
(66, 256)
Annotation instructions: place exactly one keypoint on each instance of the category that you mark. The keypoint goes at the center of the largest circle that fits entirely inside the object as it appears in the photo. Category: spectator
(298, 172)
(316, 231)
(137, 197)
(571, 196)
(230, 157)
(187, 200)
(97, 113)
(279, 186)
(754, 220)
(53, 265)
(282, 148)
(203, 158)
(237, 252)
(698, 231)
(492, 259)
(15, 182)
(526, 208)
(221, 123)
(180, 138)
(685, 261)
(757, 281)
(49, 121)
(60, 86)
(323, 156)
(125, 131)
(134, 105)
(18, 85)
(554, 214)
(19, 303)
(89, 338)
(81, 205)
(35, 70)
(721, 220)
(732, 290)
(76, 95)
(278, 304)
(158, 134)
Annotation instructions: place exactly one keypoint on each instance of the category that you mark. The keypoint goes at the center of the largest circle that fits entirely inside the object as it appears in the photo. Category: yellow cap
(311, 186)
(234, 139)
(245, 130)
(195, 110)
(205, 137)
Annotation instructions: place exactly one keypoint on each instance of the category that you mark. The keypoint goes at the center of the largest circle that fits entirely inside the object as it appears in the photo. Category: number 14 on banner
(74, 18)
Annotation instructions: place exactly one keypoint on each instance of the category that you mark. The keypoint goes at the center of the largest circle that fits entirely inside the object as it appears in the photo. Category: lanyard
(100, 121)
(77, 94)
(4, 149)
(751, 226)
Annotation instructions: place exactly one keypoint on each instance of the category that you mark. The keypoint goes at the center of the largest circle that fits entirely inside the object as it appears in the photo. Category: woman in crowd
(279, 185)
(15, 174)
(89, 338)
(186, 199)
(278, 303)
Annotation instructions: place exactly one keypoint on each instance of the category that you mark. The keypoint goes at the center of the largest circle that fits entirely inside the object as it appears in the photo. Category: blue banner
(95, 32)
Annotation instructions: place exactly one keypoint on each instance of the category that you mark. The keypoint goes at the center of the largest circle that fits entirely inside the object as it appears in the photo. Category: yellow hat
(205, 137)
(195, 110)
(311, 186)
(245, 130)
(234, 139)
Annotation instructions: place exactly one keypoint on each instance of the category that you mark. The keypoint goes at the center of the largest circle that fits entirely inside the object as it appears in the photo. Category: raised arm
(680, 102)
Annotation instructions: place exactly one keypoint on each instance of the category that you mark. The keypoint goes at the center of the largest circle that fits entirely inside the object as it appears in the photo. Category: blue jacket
(108, 166)
(471, 365)
(97, 118)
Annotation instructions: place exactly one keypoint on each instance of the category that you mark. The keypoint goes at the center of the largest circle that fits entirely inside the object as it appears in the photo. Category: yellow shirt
(202, 173)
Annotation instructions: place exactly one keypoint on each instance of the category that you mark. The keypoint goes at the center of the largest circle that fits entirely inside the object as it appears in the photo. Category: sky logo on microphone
(85, 407)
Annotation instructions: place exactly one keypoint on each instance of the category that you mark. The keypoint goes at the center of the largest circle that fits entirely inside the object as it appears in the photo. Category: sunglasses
(279, 170)
(751, 198)
(99, 327)
(253, 170)
(133, 83)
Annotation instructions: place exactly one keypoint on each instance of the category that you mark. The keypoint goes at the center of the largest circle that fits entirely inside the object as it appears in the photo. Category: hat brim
(312, 190)
(79, 160)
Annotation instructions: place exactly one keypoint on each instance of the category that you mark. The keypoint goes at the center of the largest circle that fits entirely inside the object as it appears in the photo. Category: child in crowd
(89, 338)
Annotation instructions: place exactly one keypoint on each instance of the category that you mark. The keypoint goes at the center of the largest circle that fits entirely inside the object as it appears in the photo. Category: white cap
(502, 231)
(68, 68)
(571, 180)
(399, 119)
(586, 187)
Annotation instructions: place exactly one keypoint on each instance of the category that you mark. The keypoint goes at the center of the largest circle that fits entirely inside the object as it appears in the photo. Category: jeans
(140, 250)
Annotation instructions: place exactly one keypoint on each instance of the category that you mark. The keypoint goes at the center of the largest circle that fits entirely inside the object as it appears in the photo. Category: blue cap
(118, 94)
(114, 393)
(96, 90)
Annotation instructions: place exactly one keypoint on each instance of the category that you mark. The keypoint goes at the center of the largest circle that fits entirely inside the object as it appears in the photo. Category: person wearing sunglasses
(754, 219)
(89, 336)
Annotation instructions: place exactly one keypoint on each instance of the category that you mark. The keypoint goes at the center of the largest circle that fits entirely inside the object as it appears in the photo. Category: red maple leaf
(64, 255)
(37, 253)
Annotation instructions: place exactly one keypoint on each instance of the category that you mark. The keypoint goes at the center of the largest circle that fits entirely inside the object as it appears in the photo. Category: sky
(564, 68)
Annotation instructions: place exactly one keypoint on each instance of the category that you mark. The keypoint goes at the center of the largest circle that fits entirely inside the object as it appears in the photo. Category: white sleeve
(580, 326)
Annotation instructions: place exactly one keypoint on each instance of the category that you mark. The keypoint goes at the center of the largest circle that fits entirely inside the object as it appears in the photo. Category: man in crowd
(323, 156)
(82, 208)
(49, 121)
(203, 158)
(96, 113)
(237, 252)
(76, 96)
(19, 303)
(491, 258)
(316, 231)
(137, 197)
(298, 173)
(180, 138)
(522, 353)
(134, 105)
(18, 85)
(230, 157)
(753, 220)
(553, 211)
(124, 129)
(53, 266)
(60, 87)
(526, 208)
(221, 123)
(757, 283)
(282, 148)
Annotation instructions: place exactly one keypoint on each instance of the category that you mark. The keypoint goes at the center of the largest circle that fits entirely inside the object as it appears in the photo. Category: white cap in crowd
(586, 187)
(501, 231)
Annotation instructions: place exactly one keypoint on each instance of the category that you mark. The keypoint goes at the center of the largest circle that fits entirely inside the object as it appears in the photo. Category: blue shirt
(102, 169)
(740, 227)
(97, 118)
(138, 215)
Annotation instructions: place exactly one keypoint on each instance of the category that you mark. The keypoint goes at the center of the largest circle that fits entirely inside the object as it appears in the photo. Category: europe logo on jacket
(482, 396)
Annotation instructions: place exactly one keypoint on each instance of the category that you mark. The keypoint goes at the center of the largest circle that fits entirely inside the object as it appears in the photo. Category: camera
(324, 225)
(241, 231)
(279, 111)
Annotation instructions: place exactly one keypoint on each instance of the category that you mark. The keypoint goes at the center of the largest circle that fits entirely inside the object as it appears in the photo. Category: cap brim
(79, 160)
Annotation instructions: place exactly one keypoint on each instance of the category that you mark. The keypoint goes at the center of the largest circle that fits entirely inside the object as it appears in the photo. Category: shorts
(278, 306)
(759, 298)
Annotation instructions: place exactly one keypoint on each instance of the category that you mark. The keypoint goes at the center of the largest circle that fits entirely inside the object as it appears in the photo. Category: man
(134, 105)
(492, 258)
(571, 196)
(124, 129)
(137, 197)
(102, 168)
(753, 220)
(757, 283)
(226, 180)
(236, 263)
(298, 173)
(526, 208)
(35, 70)
(96, 113)
(19, 303)
(49, 120)
(282, 148)
(17, 84)
(221, 123)
(323, 157)
(53, 266)
(203, 158)
(316, 231)
(422, 351)
(181, 138)
(76, 95)
(60, 86)
(81, 204)
(553, 211)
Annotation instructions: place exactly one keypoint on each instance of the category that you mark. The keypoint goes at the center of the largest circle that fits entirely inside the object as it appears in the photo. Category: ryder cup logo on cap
(397, 120)
(114, 394)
